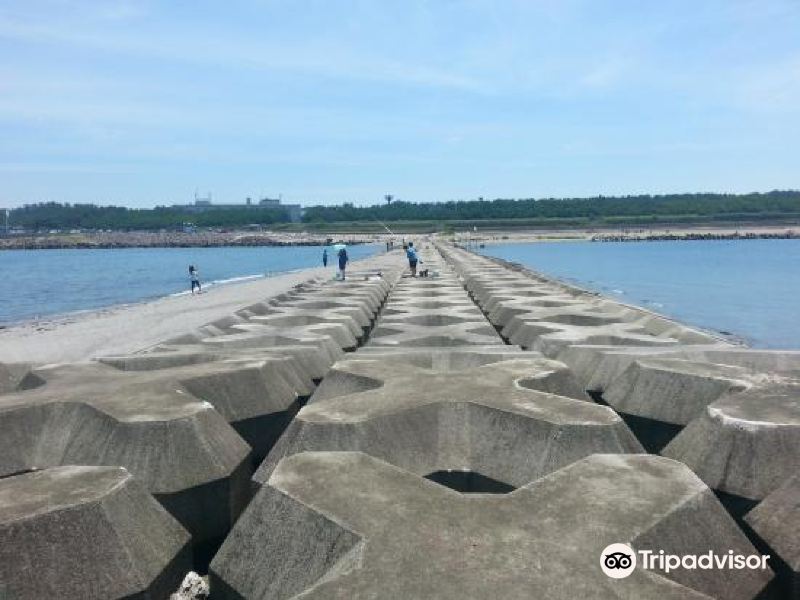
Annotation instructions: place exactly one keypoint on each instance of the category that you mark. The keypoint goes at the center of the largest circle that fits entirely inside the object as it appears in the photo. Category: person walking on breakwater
(194, 276)
(342, 261)
(411, 254)
(325, 257)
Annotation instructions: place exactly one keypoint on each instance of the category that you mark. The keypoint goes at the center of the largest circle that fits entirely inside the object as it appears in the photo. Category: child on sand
(195, 278)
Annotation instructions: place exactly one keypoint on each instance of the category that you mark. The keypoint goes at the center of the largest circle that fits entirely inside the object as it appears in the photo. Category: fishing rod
(384, 226)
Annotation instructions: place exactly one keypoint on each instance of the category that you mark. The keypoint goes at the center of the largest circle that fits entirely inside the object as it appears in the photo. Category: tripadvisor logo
(620, 560)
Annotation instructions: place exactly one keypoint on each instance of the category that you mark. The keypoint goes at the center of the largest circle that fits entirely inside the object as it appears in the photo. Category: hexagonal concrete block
(776, 520)
(673, 390)
(745, 444)
(504, 419)
(347, 525)
(176, 444)
(81, 533)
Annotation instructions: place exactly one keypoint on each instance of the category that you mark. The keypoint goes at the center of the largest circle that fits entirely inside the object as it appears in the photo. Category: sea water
(748, 288)
(39, 283)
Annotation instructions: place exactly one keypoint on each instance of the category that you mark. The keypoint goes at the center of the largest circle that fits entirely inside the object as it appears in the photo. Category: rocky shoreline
(140, 239)
(661, 237)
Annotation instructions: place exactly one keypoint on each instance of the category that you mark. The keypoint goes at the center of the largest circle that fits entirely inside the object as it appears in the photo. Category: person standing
(411, 254)
(342, 262)
(325, 257)
(194, 276)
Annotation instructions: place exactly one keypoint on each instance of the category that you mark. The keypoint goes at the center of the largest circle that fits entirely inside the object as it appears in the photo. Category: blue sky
(141, 103)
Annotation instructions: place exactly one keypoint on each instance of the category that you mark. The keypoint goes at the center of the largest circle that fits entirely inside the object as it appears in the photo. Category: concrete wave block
(673, 390)
(446, 359)
(776, 520)
(16, 377)
(511, 421)
(551, 344)
(178, 446)
(296, 363)
(302, 318)
(87, 533)
(408, 294)
(522, 332)
(745, 444)
(452, 302)
(572, 316)
(221, 326)
(435, 327)
(338, 332)
(399, 311)
(370, 294)
(485, 283)
(266, 340)
(757, 361)
(502, 308)
(309, 362)
(348, 525)
(374, 295)
(357, 310)
(342, 380)
(524, 291)
(597, 366)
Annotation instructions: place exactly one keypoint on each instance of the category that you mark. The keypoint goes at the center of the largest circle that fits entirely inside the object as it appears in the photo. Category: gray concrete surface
(776, 521)
(509, 420)
(347, 525)
(177, 444)
(746, 444)
(87, 533)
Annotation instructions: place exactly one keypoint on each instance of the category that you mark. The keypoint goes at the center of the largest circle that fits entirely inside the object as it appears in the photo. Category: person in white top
(195, 277)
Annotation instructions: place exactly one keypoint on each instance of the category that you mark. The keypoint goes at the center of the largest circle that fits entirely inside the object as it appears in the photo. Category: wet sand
(131, 327)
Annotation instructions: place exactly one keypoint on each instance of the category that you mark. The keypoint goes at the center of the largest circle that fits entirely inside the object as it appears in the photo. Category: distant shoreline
(668, 237)
(638, 234)
(222, 239)
(201, 239)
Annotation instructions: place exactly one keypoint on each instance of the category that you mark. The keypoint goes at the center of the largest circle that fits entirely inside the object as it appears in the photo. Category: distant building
(199, 206)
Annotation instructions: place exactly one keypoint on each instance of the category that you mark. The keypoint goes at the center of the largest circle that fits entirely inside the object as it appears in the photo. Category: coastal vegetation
(578, 210)
(775, 206)
(53, 215)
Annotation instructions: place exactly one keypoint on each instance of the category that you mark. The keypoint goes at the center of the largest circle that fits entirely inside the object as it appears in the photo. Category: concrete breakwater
(174, 239)
(669, 237)
(484, 432)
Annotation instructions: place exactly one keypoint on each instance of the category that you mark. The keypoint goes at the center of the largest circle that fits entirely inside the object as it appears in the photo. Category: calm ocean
(37, 283)
(750, 288)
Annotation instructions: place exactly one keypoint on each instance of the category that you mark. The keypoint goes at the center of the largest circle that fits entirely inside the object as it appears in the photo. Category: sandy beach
(131, 327)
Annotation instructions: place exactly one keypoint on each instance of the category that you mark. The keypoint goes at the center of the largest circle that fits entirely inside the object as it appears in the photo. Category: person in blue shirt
(325, 257)
(411, 254)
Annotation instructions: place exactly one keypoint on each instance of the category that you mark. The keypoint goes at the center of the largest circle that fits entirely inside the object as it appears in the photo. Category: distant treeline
(52, 215)
(591, 209)
(500, 212)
